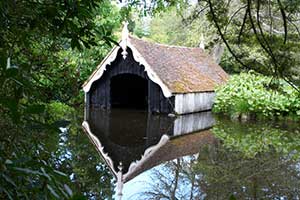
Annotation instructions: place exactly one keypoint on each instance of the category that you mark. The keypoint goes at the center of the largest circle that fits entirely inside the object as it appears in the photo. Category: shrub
(254, 94)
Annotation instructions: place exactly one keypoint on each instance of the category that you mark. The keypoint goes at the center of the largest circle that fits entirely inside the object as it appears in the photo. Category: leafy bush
(253, 94)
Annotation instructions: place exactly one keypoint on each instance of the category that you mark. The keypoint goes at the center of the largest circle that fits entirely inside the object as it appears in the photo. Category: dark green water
(198, 156)
(204, 157)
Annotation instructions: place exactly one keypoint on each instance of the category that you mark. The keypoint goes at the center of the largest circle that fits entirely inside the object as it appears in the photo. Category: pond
(195, 156)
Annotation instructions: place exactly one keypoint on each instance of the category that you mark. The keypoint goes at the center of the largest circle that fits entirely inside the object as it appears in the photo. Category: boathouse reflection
(139, 140)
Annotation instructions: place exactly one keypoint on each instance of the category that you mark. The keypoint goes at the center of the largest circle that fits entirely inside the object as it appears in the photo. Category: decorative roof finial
(202, 45)
(123, 43)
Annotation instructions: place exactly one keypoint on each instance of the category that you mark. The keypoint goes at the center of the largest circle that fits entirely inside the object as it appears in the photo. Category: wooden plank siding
(193, 102)
(99, 95)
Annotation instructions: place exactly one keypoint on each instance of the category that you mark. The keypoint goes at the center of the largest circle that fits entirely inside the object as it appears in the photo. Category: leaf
(11, 72)
(68, 190)
(110, 41)
(12, 105)
(232, 197)
(45, 174)
(9, 103)
(8, 162)
(60, 173)
(75, 44)
(78, 197)
(9, 180)
(6, 192)
(28, 171)
(52, 191)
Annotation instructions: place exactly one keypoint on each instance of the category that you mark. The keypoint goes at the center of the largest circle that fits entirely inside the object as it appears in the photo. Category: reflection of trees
(220, 174)
(253, 138)
(88, 173)
(223, 171)
(265, 176)
(37, 163)
(254, 161)
(173, 180)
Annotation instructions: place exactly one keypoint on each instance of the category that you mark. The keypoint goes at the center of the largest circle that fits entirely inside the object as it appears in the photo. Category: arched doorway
(129, 91)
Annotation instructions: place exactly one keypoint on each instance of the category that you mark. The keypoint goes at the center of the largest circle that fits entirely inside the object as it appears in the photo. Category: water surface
(197, 156)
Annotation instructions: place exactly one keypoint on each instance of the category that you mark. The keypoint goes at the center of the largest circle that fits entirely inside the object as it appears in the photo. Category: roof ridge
(165, 45)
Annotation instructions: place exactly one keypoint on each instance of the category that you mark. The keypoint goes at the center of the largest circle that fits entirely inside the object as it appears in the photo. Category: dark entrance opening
(129, 91)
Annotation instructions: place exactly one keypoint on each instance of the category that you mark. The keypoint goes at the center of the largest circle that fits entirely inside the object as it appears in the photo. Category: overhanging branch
(222, 35)
(284, 20)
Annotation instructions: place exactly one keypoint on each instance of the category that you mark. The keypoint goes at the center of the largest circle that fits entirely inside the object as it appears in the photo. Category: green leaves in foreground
(32, 179)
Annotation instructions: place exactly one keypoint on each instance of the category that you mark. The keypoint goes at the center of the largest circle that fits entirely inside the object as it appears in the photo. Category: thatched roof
(175, 69)
(182, 69)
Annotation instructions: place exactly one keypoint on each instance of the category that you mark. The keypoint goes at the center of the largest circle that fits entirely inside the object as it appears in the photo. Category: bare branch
(291, 83)
(266, 49)
(296, 27)
(233, 15)
(195, 14)
(222, 35)
(284, 20)
(243, 25)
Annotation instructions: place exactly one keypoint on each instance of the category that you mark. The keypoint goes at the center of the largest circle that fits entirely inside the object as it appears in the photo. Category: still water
(196, 156)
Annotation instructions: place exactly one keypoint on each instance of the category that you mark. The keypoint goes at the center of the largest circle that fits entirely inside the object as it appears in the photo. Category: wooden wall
(193, 102)
(100, 96)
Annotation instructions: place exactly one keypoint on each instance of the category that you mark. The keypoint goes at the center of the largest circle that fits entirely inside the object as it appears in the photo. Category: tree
(174, 27)
(268, 27)
(33, 34)
(38, 77)
(259, 35)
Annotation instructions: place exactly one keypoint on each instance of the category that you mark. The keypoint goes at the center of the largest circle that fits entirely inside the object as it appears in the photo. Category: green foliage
(36, 47)
(44, 59)
(253, 94)
(170, 27)
(262, 36)
(38, 161)
(252, 139)
(59, 114)
(26, 169)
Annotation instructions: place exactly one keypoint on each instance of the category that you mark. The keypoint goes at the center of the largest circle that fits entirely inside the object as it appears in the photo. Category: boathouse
(155, 77)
